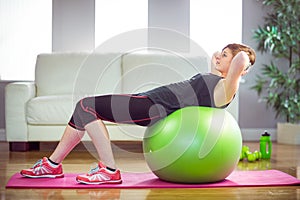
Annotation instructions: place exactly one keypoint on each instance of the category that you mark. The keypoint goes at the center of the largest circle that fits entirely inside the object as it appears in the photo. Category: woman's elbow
(242, 58)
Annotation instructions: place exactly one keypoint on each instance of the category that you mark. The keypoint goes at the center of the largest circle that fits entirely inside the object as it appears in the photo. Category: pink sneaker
(42, 169)
(100, 175)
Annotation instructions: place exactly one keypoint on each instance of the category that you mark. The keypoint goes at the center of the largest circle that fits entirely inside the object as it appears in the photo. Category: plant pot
(288, 133)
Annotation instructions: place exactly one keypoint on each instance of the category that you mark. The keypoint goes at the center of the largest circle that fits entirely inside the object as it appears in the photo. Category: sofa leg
(24, 146)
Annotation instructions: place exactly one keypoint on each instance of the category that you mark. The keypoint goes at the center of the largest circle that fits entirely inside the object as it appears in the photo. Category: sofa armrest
(17, 95)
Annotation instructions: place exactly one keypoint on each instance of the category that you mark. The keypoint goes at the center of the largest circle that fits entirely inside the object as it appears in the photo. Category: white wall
(170, 14)
(73, 25)
(254, 118)
(253, 112)
(173, 15)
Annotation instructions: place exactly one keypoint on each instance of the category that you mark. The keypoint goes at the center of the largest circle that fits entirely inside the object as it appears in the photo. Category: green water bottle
(265, 146)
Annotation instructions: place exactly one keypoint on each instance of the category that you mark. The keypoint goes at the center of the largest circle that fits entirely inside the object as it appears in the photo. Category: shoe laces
(38, 163)
(94, 169)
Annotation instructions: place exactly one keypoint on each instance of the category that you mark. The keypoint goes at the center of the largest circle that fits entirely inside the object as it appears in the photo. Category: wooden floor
(129, 158)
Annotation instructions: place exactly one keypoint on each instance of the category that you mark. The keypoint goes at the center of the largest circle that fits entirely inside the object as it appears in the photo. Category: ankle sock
(52, 163)
(111, 169)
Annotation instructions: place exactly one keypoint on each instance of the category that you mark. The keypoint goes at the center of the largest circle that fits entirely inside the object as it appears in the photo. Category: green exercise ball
(193, 145)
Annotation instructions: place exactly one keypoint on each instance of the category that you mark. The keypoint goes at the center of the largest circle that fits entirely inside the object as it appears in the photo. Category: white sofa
(39, 110)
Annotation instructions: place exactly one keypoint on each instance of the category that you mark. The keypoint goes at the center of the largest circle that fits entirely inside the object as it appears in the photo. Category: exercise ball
(193, 145)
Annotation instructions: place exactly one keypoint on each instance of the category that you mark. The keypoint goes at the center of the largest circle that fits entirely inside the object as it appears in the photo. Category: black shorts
(128, 109)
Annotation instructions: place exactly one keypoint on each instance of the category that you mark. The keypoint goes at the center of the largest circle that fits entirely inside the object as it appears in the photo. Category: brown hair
(235, 48)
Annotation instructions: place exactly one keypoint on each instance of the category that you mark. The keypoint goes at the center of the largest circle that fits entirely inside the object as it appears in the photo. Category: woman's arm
(227, 87)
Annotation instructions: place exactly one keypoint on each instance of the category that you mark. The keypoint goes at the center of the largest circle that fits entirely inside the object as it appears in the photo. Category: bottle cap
(266, 134)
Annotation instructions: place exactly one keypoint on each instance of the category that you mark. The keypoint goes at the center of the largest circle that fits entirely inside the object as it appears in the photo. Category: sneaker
(100, 175)
(42, 169)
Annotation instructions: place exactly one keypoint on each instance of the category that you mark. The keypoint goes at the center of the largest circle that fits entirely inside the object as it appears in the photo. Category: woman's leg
(88, 114)
(52, 167)
(100, 138)
(69, 140)
(128, 109)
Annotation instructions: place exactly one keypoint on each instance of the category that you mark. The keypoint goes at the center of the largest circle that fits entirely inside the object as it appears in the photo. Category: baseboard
(251, 134)
(2, 135)
(248, 134)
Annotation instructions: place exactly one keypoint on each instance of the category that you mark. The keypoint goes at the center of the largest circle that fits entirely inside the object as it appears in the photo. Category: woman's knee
(84, 103)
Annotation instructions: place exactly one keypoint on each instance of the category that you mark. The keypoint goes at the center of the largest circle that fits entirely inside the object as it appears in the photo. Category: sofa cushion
(77, 73)
(50, 110)
(145, 70)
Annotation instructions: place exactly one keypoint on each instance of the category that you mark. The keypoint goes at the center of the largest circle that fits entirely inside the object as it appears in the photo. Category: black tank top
(197, 91)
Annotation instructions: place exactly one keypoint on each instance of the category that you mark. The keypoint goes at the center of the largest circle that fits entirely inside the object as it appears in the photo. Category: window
(25, 31)
(114, 17)
(215, 23)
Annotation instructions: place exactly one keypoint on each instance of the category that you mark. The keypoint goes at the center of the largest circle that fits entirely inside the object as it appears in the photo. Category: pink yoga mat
(149, 180)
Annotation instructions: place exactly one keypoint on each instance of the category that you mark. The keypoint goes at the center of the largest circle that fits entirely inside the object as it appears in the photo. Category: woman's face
(223, 61)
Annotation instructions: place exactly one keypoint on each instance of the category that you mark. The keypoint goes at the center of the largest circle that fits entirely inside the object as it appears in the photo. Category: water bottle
(265, 145)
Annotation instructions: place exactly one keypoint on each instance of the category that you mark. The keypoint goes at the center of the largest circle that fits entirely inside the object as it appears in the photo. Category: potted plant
(279, 84)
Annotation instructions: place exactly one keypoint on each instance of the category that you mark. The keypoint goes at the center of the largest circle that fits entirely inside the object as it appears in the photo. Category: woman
(215, 89)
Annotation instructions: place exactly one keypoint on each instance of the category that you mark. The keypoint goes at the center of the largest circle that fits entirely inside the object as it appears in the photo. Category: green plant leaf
(279, 86)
